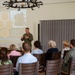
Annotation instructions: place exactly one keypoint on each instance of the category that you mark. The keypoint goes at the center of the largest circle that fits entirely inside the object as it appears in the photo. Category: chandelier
(22, 4)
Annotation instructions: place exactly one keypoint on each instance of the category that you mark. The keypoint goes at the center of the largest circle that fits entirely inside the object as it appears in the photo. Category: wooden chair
(53, 55)
(52, 67)
(65, 52)
(56, 55)
(41, 59)
(71, 67)
(6, 69)
(14, 60)
(28, 69)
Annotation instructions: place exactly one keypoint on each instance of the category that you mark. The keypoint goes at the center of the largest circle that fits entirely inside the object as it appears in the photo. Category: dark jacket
(49, 53)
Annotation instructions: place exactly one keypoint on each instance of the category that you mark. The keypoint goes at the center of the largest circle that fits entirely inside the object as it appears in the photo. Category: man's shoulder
(33, 56)
(30, 33)
(20, 57)
(72, 52)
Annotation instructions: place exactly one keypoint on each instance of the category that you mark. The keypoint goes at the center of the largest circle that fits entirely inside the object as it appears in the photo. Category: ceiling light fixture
(22, 4)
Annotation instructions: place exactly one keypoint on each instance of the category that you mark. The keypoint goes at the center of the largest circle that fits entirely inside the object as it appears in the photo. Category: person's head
(65, 43)
(72, 43)
(26, 47)
(52, 44)
(37, 44)
(3, 54)
(12, 47)
(27, 30)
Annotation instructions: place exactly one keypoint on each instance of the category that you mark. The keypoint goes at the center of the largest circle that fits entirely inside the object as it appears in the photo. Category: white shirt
(26, 58)
(37, 51)
(65, 49)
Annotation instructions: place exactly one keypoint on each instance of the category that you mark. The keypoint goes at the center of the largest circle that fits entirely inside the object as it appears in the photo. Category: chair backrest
(41, 58)
(56, 55)
(6, 69)
(72, 66)
(28, 69)
(65, 52)
(14, 60)
(53, 67)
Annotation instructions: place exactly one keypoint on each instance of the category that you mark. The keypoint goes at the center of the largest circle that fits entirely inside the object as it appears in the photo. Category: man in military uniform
(27, 37)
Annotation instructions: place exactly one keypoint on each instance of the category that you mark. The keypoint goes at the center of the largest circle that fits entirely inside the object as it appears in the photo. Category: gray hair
(52, 44)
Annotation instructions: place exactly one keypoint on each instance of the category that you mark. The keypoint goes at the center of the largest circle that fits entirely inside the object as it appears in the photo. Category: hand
(22, 38)
(26, 37)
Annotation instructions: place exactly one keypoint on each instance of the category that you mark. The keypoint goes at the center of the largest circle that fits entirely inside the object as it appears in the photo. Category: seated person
(26, 58)
(70, 54)
(3, 57)
(52, 45)
(13, 51)
(37, 49)
(66, 47)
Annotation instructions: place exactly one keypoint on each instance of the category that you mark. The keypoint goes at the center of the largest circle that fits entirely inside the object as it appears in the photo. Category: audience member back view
(13, 51)
(27, 57)
(37, 49)
(3, 57)
(70, 54)
(66, 47)
(52, 45)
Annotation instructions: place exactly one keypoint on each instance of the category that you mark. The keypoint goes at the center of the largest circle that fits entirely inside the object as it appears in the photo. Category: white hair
(52, 44)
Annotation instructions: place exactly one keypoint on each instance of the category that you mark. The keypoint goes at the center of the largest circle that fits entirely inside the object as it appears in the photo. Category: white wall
(48, 12)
